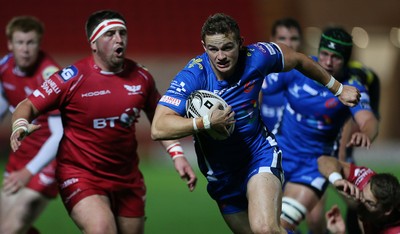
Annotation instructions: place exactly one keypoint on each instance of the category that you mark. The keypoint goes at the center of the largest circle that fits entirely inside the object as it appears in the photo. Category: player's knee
(265, 229)
(293, 211)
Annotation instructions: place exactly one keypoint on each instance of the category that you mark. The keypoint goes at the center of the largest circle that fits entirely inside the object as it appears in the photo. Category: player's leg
(315, 219)
(93, 214)
(296, 201)
(238, 222)
(131, 225)
(20, 210)
(264, 192)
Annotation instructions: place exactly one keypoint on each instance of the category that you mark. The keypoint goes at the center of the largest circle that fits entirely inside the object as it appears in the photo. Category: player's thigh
(131, 225)
(26, 204)
(238, 222)
(301, 193)
(264, 192)
(93, 214)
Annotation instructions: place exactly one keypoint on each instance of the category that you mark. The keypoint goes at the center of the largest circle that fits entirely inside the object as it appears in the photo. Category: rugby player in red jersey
(29, 181)
(100, 98)
(375, 197)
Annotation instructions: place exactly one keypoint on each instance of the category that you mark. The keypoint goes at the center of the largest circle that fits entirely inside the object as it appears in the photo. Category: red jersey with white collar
(99, 112)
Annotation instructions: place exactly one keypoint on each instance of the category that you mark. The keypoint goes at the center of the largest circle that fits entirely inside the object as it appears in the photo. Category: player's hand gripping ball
(200, 103)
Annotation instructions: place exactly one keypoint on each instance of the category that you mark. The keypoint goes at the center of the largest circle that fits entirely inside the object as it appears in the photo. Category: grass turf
(170, 207)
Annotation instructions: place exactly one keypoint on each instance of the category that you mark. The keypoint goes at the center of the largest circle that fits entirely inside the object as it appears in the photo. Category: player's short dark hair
(338, 41)
(386, 189)
(287, 23)
(221, 24)
(24, 24)
(99, 16)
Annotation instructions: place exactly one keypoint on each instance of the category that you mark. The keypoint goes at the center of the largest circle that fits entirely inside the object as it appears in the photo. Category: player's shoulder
(264, 47)
(74, 70)
(362, 72)
(197, 64)
(6, 58)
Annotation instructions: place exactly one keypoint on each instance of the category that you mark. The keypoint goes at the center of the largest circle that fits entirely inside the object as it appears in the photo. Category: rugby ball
(200, 103)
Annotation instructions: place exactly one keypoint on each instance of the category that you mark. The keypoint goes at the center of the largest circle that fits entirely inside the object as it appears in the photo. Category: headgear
(338, 41)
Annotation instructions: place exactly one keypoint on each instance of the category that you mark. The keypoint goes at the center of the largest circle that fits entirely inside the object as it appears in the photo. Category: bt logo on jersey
(104, 122)
(126, 119)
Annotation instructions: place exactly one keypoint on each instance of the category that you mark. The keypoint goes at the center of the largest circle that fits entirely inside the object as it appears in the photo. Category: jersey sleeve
(364, 103)
(53, 91)
(184, 83)
(267, 57)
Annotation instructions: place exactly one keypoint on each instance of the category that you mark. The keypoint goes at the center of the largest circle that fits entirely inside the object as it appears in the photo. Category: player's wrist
(340, 90)
(331, 82)
(175, 150)
(206, 122)
(334, 86)
(335, 176)
(20, 123)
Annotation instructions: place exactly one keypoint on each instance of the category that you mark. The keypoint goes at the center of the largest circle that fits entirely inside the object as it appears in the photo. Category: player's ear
(93, 46)
(204, 45)
(9, 45)
(241, 41)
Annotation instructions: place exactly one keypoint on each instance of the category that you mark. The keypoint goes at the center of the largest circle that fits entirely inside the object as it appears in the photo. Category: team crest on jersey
(68, 72)
(197, 62)
(48, 71)
(133, 89)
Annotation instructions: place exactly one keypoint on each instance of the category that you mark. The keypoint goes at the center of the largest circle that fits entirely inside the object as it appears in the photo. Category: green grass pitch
(170, 207)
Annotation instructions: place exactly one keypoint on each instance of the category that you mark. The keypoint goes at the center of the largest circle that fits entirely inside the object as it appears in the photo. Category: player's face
(223, 52)
(288, 36)
(25, 46)
(110, 49)
(333, 63)
(369, 207)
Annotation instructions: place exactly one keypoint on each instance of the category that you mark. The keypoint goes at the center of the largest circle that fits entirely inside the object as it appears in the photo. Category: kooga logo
(96, 93)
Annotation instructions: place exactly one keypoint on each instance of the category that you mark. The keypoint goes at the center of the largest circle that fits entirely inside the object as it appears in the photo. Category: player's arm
(336, 171)
(348, 95)
(17, 179)
(182, 166)
(167, 124)
(23, 114)
(368, 129)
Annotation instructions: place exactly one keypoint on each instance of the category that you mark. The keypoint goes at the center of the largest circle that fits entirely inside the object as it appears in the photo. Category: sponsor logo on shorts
(69, 182)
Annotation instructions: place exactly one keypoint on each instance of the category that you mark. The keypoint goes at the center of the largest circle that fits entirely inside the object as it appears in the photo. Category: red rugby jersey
(99, 112)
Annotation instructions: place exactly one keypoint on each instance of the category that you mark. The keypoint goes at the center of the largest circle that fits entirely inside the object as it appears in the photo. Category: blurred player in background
(29, 180)
(374, 197)
(243, 171)
(311, 122)
(100, 98)
(288, 32)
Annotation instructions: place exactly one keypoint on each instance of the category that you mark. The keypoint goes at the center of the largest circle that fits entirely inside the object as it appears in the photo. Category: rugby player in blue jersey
(288, 32)
(244, 171)
(311, 122)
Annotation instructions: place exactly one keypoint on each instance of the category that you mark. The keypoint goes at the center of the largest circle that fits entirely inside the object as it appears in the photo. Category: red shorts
(43, 182)
(126, 200)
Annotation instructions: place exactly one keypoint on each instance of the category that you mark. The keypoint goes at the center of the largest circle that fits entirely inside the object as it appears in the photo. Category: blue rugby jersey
(313, 116)
(241, 91)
